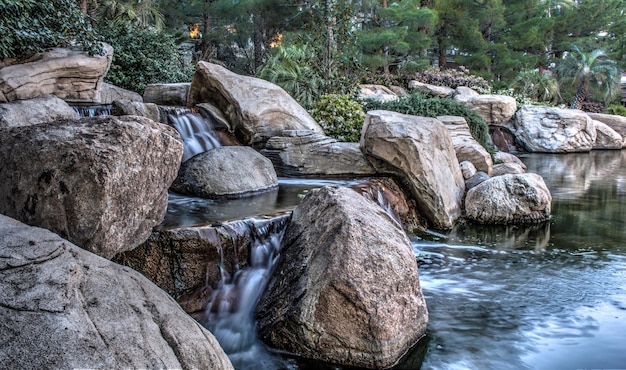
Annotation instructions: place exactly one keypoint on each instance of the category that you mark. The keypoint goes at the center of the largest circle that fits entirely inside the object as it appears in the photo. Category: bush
(418, 104)
(144, 56)
(453, 78)
(537, 86)
(29, 26)
(618, 110)
(339, 116)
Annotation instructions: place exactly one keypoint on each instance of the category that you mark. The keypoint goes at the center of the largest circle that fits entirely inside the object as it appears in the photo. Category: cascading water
(92, 110)
(197, 131)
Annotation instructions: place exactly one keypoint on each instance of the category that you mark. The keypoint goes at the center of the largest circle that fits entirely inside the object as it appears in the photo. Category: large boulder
(418, 150)
(43, 109)
(465, 146)
(134, 108)
(71, 75)
(98, 182)
(494, 109)
(377, 92)
(606, 137)
(65, 308)
(227, 171)
(306, 153)
(617, 123)
(554, 130)
(257, 109)
(508, 199)
(433, 90)
(346, 287)
(167, 94)
(110, 93)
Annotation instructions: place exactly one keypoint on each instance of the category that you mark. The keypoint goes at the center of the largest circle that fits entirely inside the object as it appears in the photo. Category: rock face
(230, 171)
(377, 92)
(606, 137)
(493, 109)
(68, 74)
(305, 153)
(507, 199)
(98, 182)
(66, 308)
(554, 130)
(43, 109)
(133, 108)
(346, 288)
(110, 93)
(257, 109)
(420, 151)
(617, 123)
(167, 94)
(434, 90)
(465, 146)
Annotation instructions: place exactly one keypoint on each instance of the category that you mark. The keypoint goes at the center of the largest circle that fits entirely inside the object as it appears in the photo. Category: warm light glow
(276, 42)
(194, 31)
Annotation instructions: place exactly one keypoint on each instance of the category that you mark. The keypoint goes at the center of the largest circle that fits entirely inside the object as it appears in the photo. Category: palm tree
(590, 70)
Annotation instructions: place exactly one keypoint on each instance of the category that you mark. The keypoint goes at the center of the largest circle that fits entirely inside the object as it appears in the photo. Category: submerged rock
(420, 151)
(98, 182)
(227, 171)
(507, 199)
(66, 308)
(346, 287)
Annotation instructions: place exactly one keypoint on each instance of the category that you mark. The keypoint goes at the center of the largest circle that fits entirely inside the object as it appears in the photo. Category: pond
(546, 296)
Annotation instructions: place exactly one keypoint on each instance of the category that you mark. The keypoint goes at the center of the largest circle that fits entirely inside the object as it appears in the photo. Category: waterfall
(92, 110)
(198, 132)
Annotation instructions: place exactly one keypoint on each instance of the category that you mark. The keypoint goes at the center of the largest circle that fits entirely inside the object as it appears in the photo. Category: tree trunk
(581, 95)
(83, 6)
(257, 39)
(331, 43)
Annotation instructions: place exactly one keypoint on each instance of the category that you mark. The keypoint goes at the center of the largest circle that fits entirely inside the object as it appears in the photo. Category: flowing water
(196, 130)
(546, 296)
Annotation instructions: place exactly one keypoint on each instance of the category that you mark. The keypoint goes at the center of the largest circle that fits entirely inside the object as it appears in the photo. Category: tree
(589, 70)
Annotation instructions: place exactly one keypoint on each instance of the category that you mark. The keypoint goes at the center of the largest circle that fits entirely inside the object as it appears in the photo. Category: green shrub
(618, 110)
(453, 78)
(419, 104)
(537, 86)
(143, 56)
(29, 26)
(339, 116)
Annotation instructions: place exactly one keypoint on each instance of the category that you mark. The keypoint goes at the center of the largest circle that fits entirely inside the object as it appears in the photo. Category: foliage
(144, 56)
(537, 86)
(418, 104)
(141, 14)
(339, 116)
(31, 26)
(616, 109)
(453, 78)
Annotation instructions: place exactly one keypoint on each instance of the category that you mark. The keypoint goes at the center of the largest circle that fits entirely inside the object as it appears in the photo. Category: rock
(503, 139)
(227, 171)
(257, 109)
(110, 93)
(346, 287)
(71, 75)
(398, 90)
(305, 153)
(43, 109)
(468, 169)
(433, 90)
(420, 151)
(493, 109)
(507, 168)
(507, 199)
(606, 137)
(66, 308)
(133, 108)
(478, 178)
(99, 182)
(466, 91)
(465, 146)
(167, 94)
(617, 123)
(504, 157)
(554, 130)
(377, 92)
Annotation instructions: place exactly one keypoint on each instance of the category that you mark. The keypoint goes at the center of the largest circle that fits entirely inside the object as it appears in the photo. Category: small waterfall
(230, 311)
(198, 132)
(92, 110)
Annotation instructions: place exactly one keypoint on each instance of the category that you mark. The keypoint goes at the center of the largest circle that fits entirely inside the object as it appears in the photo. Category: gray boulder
(419, 151)
(434, 90)
(110, 93)
(134, 108)
(66, 308)
(478, 178)
(494, 109)
(306, 153)
(43, 109)
(98, 182)
(468, 169)
(71, 75)
(346, 287)
(508, 199)
(607, 138)
(505, 157)
(617, 123)
(465, 146)
(507, 168)
(257, 109)
(167, 94)
(377, 92)
(554, 130)
(227, 171)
